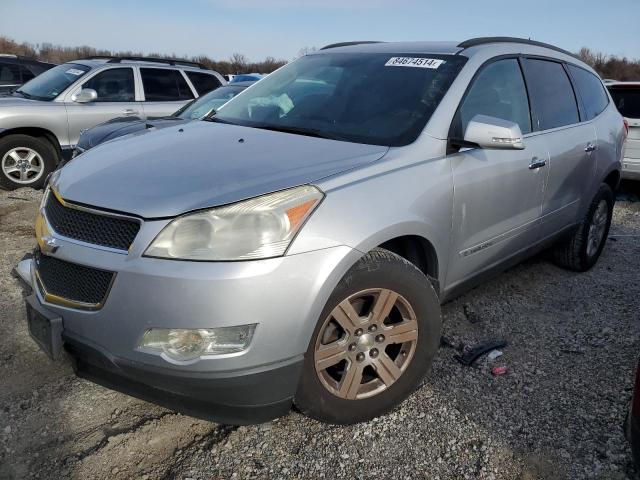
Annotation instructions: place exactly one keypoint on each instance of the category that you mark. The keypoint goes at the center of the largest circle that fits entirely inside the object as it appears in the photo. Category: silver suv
(297, 246)
(42, 120)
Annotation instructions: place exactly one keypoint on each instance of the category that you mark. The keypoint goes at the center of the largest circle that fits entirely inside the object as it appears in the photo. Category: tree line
(47, 52)
(608, 66)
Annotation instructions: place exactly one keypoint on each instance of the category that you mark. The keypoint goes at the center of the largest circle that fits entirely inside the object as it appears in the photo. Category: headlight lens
(260, 227)
(184, 345)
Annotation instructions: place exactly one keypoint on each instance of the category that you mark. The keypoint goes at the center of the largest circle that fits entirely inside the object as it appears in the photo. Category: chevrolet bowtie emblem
(49, 245)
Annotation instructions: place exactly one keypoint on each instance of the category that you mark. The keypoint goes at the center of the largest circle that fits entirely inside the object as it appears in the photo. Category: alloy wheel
(22, 165)
(366, 343)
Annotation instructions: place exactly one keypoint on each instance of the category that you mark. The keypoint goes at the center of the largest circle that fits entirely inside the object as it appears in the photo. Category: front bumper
(283, 296)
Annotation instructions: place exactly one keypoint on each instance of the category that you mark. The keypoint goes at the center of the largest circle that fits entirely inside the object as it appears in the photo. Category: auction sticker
(74, 71)
(416, 62)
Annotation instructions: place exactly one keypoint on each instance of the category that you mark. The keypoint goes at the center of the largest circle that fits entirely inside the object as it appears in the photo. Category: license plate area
(45, 328)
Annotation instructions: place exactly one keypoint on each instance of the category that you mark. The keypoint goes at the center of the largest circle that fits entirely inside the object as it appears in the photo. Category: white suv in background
(626, 96)
(41, 121)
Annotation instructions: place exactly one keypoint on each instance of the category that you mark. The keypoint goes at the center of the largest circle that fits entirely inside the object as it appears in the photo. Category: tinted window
(53, 82)
(113, 85)
(591, 91)
(498, 91)
(9, 74)
(164, 85)
(26, 74)
(373, 98)
(627, 100)
(552, 99)
(203, 82)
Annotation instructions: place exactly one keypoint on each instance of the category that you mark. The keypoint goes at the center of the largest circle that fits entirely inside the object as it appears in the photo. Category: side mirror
(85, 95)
(494, 133)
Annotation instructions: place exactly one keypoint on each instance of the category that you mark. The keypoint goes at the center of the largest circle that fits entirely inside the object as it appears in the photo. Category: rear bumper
(240, 398)
(631, 168)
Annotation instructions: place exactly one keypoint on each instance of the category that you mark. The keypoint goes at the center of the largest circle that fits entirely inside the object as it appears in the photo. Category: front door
(116, 98)
(497, 193)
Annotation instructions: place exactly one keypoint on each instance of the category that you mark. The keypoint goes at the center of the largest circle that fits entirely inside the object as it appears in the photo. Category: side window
(591, 91)
(164, 85)
(113, 85)
(26, 74)
(203, 82)
(498, 91)
(9, 74)
(553, 101)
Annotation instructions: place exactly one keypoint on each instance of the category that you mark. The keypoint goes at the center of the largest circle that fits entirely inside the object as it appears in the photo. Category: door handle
(537, 163)
(130, 111)
(590, 148)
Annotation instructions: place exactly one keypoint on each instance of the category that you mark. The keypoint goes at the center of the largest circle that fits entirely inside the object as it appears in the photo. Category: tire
(576, 252)
(414, 320)
(15, 150)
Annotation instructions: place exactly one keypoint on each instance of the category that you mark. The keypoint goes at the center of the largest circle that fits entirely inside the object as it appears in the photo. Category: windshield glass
(373, 98)
(627, 99)
(211, 101)
(53, 82)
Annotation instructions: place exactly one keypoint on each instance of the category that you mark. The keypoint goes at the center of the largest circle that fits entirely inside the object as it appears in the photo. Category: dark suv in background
(16, 70)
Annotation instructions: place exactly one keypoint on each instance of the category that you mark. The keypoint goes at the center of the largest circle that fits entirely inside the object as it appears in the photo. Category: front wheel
(581, 250)
(25, 161)
(373, 343)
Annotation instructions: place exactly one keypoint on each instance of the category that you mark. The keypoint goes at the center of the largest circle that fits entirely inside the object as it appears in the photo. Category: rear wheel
(25, 161)
(581, 250)
(374, 341)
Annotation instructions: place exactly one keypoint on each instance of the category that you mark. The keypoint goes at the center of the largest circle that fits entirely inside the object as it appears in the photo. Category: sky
(280, 28)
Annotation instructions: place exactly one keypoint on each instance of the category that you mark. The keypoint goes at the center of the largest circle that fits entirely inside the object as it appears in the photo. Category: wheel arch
(36, 132)
(613, 179)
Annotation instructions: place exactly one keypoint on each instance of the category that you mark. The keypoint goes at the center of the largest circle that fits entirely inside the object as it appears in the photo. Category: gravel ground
(573, 340)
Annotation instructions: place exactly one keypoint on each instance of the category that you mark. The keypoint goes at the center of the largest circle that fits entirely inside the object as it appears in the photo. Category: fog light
(184, 345)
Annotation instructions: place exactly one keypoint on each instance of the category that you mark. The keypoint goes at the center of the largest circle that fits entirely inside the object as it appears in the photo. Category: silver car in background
(296, 247)
(41, 121)
(626, 96)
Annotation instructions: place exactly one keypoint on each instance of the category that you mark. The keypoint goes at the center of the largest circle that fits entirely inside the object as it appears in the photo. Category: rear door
(497, 193)
(116, 98)
(571, 143)
(627, 100)
(165, 91)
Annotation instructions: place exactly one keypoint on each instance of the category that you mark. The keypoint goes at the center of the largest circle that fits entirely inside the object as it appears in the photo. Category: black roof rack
(485, 40)
(347, 44)
(168, 61)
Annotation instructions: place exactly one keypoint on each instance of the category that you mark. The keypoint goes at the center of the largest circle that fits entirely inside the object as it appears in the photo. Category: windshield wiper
(24, 94)
(213, 118)
(310, 132)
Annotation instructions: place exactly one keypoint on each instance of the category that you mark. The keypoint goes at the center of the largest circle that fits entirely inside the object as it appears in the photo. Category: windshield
(211, 101)
(53, 82)
(627, 99)
(378, 99)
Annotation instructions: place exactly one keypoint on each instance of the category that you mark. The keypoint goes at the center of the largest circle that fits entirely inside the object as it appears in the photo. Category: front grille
(105, 230)
(72, 282)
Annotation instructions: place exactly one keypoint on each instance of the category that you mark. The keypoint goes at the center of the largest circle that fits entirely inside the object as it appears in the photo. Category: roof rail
(485, 40)
(347, 44)
(168, 61)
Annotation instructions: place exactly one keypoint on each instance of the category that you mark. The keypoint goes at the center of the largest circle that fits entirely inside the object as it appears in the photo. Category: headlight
(260, 227)
(184, 345)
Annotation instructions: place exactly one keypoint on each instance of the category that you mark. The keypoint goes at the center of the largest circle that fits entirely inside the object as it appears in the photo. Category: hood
(119, 127)
(174, 170)
(16, 101)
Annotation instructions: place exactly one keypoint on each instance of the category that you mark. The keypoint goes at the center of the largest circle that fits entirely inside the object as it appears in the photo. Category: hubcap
(22, 165)
(597, 228)
(366, 343)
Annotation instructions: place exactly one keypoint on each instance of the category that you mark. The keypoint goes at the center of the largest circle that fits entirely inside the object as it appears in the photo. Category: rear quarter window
(553, 100)
(591, 91)
(203, 82)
